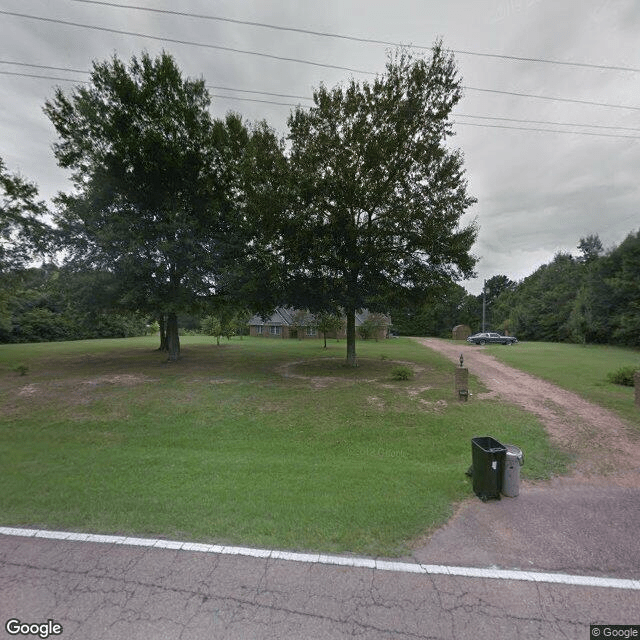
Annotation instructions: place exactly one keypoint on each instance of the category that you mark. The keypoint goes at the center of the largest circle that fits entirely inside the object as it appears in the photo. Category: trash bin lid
(515, 452)
(487, 444)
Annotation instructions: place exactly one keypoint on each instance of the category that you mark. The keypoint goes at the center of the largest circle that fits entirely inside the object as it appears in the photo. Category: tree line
(591, 298)
(174, 212)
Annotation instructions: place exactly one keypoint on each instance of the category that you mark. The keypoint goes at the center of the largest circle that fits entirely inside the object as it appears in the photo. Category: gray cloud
(537, 192)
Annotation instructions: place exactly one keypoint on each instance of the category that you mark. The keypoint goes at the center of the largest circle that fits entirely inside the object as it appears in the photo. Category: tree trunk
(163, 332)
(351, 338)
(173, 339)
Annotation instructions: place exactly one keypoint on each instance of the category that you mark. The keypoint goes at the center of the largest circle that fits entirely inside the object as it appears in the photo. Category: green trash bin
(488, 461)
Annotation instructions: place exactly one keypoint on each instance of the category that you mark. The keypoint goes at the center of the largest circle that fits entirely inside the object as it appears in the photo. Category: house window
(275, 330)
(259, 330)
(311, 331)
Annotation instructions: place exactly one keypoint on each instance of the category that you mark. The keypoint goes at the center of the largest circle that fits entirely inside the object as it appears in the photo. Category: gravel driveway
(603, 443)
(586, 522)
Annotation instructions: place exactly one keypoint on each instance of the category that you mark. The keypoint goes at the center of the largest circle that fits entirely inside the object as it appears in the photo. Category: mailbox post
(462, 381)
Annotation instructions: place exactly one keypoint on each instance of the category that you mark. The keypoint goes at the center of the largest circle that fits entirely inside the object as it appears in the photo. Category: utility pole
(484, 303)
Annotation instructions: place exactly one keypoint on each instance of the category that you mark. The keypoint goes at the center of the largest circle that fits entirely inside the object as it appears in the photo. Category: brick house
(286, 322)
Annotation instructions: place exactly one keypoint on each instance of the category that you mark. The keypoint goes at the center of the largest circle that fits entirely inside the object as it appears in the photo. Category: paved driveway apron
(583, 526)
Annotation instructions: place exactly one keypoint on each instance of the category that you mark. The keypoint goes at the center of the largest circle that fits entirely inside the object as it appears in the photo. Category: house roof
(363, 315)
(281, 316)
(286, 316)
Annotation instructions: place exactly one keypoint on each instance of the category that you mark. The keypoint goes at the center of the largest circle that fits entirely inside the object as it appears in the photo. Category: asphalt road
(109, 591)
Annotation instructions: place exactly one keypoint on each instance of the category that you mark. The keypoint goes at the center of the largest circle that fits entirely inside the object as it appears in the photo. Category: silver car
(491, 338)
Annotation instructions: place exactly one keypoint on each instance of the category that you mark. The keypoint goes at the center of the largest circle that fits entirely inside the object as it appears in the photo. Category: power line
(298, 60)
(33, 75)
(545, 61)
(246, 22)
(292, 104)
(43, 66)
(186, 42)
(285, 104)
(473, 124)
(209, 86)
(215, 95)
(264, 93)
(327, 34)
(577, 133)
(560, 124)
(573, 100)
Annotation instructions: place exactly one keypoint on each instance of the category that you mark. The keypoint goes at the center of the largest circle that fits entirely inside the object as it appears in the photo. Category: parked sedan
(491, 338)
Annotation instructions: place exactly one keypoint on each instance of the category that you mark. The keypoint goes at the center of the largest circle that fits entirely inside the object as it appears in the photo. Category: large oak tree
(378, 192)
(155, 185)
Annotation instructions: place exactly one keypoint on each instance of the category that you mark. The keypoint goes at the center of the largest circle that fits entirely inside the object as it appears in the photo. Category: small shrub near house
(367, 330)
(373, 327)
(623, 376)
(402, 373)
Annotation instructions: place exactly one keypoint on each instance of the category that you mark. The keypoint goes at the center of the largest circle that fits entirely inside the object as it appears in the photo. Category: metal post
(484, 303)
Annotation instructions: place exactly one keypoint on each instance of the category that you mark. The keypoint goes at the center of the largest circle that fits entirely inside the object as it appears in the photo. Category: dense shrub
(402, 373)
(623, 376)
(44, 325)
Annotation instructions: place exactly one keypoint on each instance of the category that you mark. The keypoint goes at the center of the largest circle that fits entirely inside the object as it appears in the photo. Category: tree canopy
(377, 192)
(594, 298)
(155, 184)
(188, 214)
(24, 232)
(172, 211)
(24, 235)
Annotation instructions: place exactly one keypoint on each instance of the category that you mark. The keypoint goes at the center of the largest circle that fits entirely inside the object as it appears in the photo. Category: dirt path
(604, 445)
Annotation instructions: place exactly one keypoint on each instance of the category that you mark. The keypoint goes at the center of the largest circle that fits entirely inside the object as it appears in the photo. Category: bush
(367, 330)
(110, 324)
(402, 373)
(623, 376)
(40, 324)
(189, 332)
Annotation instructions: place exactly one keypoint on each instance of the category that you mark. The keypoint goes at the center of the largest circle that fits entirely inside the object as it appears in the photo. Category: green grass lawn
(260, 442)
(579, 368)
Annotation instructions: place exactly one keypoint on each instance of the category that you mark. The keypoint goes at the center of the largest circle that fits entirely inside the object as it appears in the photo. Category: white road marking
(369, 563)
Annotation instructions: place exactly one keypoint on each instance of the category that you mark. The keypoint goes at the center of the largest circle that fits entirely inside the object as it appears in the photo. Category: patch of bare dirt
(376, 402)
(416, 391)
(603, 443)
(316, 382)
(122, 380)
(437, 406)
(291, 370)
(28, 390)
(73, 391)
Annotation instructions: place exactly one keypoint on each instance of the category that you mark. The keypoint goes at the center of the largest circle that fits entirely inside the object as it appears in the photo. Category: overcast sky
(538, 192)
